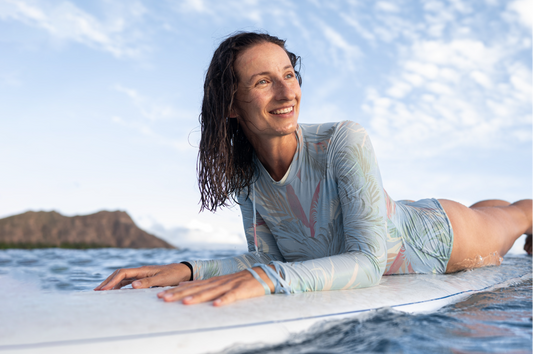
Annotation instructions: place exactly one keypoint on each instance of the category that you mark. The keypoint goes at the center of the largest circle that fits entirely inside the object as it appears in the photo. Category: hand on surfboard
(147, 276)
(221, 290)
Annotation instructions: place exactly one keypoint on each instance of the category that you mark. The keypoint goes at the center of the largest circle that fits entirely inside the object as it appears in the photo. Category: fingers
(223, 290)
(230, 297)
(107, 281)
(246, 291)
(186, 289)
(123, 277)
(195, 295)
(147, 282)
(250, 288)
(147, 276)
(123, 283)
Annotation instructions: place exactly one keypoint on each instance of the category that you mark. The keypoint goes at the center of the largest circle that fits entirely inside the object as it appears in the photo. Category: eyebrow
(267, 72)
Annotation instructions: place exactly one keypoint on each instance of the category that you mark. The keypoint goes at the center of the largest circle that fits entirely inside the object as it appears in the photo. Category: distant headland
(45, 229)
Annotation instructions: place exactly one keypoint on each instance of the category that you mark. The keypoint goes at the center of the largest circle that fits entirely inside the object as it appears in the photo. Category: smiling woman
(225, 161)
(267, 105)
(314, 209)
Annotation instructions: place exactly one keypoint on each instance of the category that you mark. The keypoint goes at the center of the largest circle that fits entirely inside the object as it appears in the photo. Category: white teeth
(282, 111)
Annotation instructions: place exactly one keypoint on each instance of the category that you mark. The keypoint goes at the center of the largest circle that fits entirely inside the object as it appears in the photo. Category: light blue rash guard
(329, 224)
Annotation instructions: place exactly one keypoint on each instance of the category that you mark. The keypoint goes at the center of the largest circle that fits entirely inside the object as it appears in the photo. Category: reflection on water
(503, 314)
(64, 269)
(489, 322)
(497, 321)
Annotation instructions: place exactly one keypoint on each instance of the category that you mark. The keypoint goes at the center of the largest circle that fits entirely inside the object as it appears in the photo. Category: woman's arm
(267, 248)
(364, 217)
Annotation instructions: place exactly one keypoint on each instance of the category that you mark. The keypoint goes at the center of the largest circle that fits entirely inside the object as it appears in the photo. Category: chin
(287, 130)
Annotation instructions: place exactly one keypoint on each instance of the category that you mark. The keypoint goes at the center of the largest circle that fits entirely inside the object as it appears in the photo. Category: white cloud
(461, 6)
(459, 90)
(520, 78)
(197, 232)
(481, 78)
(349, 52)
(359, 28)
(464, 54)
(523, 135)
(387, 6)
(450, 94)
(439, 88)
(524, 10)
(196, 5)
(413, 79)
(427, 70)
(399, 89)
(244, 10)
(67, 22)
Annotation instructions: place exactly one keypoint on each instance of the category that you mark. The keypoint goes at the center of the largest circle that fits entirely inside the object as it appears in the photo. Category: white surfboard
(135, 321)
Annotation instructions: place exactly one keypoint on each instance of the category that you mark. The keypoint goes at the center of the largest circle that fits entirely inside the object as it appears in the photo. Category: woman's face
(267, 102)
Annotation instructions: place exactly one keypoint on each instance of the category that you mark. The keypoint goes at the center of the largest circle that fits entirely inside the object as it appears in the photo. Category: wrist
(265, 277)
(189, 266)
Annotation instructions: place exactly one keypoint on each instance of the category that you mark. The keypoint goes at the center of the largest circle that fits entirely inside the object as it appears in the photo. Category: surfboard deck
(135, 321)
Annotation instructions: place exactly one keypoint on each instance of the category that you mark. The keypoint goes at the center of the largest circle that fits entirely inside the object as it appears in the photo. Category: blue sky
(99, 100)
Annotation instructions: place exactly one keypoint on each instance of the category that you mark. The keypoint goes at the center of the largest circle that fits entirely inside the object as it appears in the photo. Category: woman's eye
(289, 76)
(262, 82)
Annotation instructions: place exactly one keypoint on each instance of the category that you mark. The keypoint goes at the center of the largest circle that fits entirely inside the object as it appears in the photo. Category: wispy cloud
(321, 37)
(524, 10)
(151, 113)
(387, 6)
(339, 47)
(145, 130)
(455, 91)
(66, 22)
(148, 107)
(247, 10)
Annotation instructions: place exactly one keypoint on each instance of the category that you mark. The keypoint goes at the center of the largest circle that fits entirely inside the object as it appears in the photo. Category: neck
(276, 154)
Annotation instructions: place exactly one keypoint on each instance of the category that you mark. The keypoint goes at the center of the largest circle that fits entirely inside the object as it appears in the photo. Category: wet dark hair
(225, 160)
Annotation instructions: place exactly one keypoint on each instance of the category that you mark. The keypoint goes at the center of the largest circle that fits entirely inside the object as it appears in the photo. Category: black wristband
(190, 267)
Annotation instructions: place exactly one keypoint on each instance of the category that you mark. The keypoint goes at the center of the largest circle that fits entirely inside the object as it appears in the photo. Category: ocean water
(497, 321)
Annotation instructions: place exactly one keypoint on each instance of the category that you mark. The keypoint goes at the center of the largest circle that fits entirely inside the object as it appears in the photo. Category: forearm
(345, 271)
(212, 268)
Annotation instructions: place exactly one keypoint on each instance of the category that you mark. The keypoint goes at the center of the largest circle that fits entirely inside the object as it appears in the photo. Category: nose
(284, 90)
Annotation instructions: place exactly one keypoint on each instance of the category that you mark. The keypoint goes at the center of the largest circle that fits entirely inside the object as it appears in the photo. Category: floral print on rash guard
(329, 224)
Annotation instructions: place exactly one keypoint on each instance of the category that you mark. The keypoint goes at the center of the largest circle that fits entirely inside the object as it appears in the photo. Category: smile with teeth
(283, 110)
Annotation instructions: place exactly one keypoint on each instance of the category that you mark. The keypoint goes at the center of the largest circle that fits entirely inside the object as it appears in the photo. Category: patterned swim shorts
(427, 234)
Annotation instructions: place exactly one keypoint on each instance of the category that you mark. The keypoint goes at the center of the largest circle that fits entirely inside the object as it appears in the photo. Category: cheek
(257, 102)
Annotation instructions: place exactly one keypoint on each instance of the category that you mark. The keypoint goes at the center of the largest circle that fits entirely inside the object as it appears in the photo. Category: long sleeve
(352, 163)
(268, 250)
